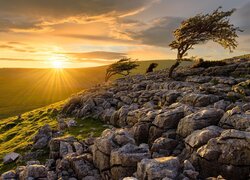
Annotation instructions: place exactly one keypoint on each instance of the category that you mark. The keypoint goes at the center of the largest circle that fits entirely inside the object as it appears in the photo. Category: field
(23, 90)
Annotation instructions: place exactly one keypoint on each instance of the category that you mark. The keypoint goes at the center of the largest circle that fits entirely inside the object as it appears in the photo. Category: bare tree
(122, 67)
(202, 28)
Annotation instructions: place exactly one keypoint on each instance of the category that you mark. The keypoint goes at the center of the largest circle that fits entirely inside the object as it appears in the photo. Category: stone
(36, 171)
(199, 100)
(235, 119)
(141, 132)
(9, 175)
(162, 143)
(78, 148)
(222, 104)
(200, 137)
(11, 157)
(169, 119)
(199, 120)
(227, 155)
(124, 160)
(158, 168)
(71, 123)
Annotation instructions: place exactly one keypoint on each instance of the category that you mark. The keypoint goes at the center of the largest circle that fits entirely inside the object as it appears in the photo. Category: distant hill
(23, 90)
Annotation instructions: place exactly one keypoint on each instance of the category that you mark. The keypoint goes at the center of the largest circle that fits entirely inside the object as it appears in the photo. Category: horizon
(69, 34)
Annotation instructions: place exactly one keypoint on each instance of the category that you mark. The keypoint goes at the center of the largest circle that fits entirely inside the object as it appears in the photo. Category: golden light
(57, 64)
(57, 61)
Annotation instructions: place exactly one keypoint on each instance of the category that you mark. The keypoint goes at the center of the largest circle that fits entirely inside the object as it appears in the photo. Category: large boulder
(200, 137)
(200, 100)
(103, 146)
(227, 155)
(235, 119)
(35, 171)
(43, 137)
(11, 157)
(199, 120)
(159, 168)
(124, 160)
(9, 175)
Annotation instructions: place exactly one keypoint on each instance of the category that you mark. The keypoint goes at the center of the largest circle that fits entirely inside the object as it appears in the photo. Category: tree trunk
(176, 64)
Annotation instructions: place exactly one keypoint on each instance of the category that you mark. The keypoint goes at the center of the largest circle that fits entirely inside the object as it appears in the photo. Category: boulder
(199, 120)
(200, 100)
(43, 137)
(158, 168)
(169, 119)
(236, 119)
(200, 137)
(11, 157)
(9, 175)
(227, 155)
(124, 160)
(164, 146)
(36, 171)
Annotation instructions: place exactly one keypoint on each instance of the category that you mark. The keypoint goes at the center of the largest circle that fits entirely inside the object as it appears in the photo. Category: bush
(207, 64)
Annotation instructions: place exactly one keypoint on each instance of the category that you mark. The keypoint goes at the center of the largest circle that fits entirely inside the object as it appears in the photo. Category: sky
(86, 33)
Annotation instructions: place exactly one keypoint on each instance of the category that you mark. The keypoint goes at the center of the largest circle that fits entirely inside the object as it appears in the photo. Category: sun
(57, 64)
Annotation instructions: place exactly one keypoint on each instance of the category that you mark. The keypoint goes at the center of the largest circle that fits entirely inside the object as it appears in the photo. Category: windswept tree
(201, 29)
(122, 67)
(151, 67)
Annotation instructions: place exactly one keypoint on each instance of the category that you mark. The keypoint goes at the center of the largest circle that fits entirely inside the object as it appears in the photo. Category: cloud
(97, 55)
(158, 32)
(97, 38)
(20, 59)
(242, 15)
(37, 14)
(19, 47)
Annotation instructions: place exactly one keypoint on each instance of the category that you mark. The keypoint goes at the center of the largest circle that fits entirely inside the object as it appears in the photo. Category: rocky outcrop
(194, 127)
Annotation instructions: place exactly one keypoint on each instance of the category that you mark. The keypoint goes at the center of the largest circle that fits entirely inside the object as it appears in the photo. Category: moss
(85, 128)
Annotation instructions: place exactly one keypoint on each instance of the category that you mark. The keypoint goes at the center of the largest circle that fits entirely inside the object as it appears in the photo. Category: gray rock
(169, 119)
(198, 120)
(36, 171)
(9, 175)
(235, 119)
(11, 157)
(124, 160)
(199, 100)
(200, 137)
(162, 144)
(228, 154)
(158, 168)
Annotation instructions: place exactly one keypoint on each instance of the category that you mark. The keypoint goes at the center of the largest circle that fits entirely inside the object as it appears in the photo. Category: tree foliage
(202, 28)
(122, 67)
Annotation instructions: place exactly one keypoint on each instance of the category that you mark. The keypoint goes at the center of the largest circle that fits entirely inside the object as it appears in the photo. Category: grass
(22, 90)
(16, 133)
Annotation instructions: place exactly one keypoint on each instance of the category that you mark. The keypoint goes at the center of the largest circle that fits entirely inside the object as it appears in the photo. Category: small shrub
(207, 64)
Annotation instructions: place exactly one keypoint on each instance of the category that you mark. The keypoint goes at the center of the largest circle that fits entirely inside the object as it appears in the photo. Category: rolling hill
(23, 90)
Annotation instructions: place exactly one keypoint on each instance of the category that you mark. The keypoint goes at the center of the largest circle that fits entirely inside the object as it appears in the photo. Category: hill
(194, 126)
(26, 89)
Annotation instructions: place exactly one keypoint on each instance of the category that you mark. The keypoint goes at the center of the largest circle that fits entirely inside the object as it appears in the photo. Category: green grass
(22, 90)
(16, 134)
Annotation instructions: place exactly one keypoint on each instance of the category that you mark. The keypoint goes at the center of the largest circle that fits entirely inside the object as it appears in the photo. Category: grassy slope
(16, 134)
(22, 90)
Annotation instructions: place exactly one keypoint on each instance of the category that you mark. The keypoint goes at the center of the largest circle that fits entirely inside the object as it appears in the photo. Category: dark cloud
(158, 33)
(35, 14)
(96, 38)
(97, 55)
(242, 18)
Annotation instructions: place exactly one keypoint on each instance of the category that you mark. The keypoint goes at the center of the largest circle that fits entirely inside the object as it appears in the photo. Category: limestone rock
(200, 137)
(9, 175)
(227, 155)
(11, 157)
(198, 120)
(158, 168)
(124, 160)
